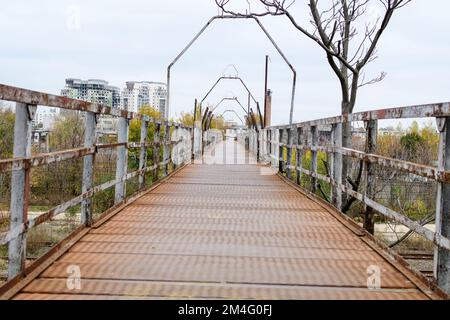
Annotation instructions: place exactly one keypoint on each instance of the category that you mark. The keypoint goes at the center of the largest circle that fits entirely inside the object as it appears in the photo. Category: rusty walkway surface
(223, 231)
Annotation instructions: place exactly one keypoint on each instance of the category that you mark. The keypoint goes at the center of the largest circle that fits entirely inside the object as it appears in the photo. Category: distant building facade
(44, 118)
(95, 91)
(92, 90)
(138, 94)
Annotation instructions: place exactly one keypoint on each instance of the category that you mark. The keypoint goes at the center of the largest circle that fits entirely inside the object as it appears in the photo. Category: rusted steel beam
(20, 95)
(52, 213)
(15, 94)
(43, 159)
(401, 165)
(434, 237)
(416, 111)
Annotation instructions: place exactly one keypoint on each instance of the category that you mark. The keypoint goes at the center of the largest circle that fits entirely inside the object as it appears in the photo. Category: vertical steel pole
(20, 188)
(193, 132)
(143, 153)
(442, 255)
(300, 143)
(337, 165)
(122, 160)
(266, 74)
(314, 143)
(88, 168)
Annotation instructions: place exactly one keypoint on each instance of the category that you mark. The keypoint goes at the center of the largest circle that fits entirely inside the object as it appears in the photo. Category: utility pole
(267, 103)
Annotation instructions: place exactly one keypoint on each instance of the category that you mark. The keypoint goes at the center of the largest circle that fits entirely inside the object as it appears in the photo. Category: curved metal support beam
(233, 111)
(230, 99)
(229, 78)
(233, 17)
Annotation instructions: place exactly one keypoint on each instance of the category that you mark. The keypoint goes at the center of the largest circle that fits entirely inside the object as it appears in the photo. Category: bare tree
(347, 31)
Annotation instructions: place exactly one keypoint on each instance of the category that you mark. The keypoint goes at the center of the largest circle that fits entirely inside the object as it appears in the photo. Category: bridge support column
(299, 162)
(122, 161)
(442, 255)
(143, 154)
(336, 166)
(314, 143)
(88, 168)
(20, 188)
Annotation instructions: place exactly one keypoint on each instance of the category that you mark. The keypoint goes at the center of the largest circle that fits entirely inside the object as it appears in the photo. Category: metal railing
(277, 143)
(175, 140)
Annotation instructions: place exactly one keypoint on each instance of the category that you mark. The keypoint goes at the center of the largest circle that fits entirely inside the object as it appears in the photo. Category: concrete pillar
(143, 153)
(336, 137)
(289, 153)
(20, 188)
(156, 146)
(314, 143)
(122, 160)
(300, 142)
(371, 145)
(442, 255)
(88, 168)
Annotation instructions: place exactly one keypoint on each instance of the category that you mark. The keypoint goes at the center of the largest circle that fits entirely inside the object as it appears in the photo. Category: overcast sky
(135, 40)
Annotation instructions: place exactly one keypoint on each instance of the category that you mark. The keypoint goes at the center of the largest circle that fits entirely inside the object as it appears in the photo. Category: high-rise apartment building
(138, 94)
(95, 91)
(92, 90)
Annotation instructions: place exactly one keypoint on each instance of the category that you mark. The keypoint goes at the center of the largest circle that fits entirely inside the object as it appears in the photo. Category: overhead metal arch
(233, 111)
(230, 99)
(228, 78)
(244, 85)
(234, 17)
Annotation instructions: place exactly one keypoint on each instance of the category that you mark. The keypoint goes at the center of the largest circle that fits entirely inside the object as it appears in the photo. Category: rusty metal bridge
(220, 218)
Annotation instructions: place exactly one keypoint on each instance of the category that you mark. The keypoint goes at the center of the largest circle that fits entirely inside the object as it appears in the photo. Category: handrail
(276, 142)
(22, 162)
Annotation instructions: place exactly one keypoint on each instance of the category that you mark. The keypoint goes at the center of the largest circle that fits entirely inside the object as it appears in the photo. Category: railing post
(299, 166)
(336, 137)
(20, 187)
(314, 143)
(258, 145)
(165, 136)
(369, 181)
(122, 160)
(274, 157)
(289, 153)
(88, 168)
(143, 153)
(280, 151)
(442, 255)
(156, 145)
(174, 149)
